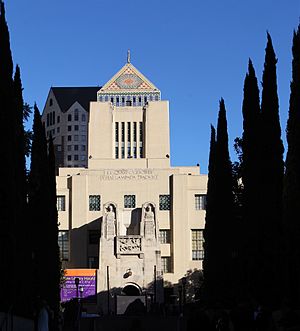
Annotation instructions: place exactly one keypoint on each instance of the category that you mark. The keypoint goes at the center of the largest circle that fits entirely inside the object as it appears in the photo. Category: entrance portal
(132, 290)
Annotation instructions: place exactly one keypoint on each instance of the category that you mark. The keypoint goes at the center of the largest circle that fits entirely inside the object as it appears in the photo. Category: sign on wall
(86, 289)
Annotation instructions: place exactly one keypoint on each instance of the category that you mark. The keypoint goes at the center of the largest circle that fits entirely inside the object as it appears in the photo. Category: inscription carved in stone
(129, 245)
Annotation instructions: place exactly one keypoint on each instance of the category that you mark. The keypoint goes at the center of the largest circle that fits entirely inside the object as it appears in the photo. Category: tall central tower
(129, 124)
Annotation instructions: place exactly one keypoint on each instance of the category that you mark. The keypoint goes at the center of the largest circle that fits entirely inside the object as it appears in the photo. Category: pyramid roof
(128, 79)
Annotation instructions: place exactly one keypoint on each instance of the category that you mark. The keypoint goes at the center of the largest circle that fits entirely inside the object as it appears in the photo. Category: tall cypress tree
(7, 167)
(42, 207)
(39, 208)
(251, 163)
(219, 219)
(292, 181)
(54, 265)
(272, 168)
(210, 216)
(23, 300)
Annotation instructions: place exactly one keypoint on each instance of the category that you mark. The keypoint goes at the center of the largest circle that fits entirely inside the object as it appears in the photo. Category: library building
(123, 210)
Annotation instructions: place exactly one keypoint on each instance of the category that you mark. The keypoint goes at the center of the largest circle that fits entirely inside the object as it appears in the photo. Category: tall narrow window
(134, 131)
(69, 117)
(53, 115)
(200, 201)
(197, 245)
(166, 264)
(123, 152)
(48, 120)
(61, 203)
(76, 115)
(116, 131)
(83, 118)
(123, 131)
(63, 243)
(94, 202)
(128, 131)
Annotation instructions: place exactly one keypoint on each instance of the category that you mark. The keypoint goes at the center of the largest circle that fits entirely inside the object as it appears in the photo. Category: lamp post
(183, 281)
(77, 284)
(77, 280)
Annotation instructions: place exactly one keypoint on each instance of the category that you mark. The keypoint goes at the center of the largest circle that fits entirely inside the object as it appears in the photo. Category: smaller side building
(66, 116)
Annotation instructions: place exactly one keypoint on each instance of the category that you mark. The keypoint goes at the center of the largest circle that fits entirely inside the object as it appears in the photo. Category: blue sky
(194, 51)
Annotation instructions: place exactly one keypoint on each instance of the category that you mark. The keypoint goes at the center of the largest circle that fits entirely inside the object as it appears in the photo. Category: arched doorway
(131, 289)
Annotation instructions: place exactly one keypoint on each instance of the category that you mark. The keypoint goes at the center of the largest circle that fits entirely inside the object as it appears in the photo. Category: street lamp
(183, 282)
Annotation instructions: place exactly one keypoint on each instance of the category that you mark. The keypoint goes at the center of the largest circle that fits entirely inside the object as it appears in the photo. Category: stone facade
(131, 215)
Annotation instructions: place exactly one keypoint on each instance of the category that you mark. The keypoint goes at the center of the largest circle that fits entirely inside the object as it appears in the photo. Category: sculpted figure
(149, 222)
(110, 222)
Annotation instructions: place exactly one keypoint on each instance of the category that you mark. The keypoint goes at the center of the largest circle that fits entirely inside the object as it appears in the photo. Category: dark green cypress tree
(42, 207)
(209, 244)
(271, 187)
(54, 265)
(24, 291)
(251, 163)
(8, 184)
(292, 182)
(220, 218)
(39, 208)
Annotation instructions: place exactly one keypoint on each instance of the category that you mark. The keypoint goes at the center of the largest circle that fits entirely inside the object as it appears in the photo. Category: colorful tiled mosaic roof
(128, 79)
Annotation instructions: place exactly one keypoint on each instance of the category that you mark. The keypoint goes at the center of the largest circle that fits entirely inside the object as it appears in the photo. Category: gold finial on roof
(128, 56)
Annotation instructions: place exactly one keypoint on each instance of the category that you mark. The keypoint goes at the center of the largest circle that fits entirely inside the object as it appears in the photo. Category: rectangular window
(83, 148)
(93, 262)
(141, 131)
(116, 131)
(83, 138)
(123, 152)
(94, 236)
(69, 148)
(134, 152)
(83, 118)
(94, 202)
(117, 152)
(76, 116)
(197, 245)
(48, 122)
(58, 148)
(69, 118)
(69, 157)
(129, 201)
(123, 131)
(128, 132)
(63, 243)
(75, 147)
(61, 202)
(134, 131)
(76, 158)
(164, 236)
(58, 129)
(53, 117)
(58, 119)
(166, 264)
(164, 202)
(76, 127)
(69, 127)
(69, 138)
(82, 158)
(200, 201)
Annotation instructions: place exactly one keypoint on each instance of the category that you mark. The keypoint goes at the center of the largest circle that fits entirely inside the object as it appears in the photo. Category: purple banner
(86, 287)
